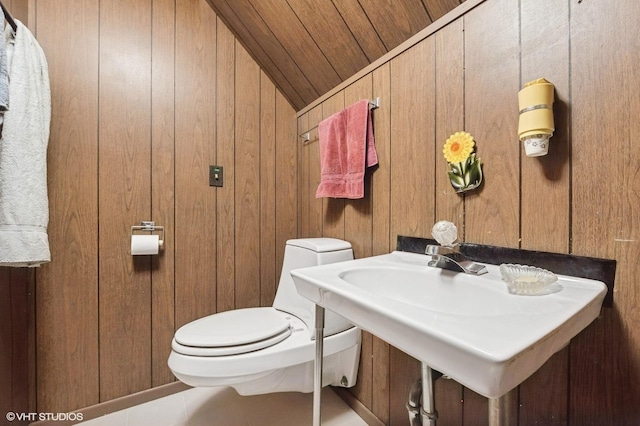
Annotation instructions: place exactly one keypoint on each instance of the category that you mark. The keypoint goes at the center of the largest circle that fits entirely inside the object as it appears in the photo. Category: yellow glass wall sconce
(536, 126)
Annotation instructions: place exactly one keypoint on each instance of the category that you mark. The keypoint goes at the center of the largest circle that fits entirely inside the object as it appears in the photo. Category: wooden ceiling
(308, 47)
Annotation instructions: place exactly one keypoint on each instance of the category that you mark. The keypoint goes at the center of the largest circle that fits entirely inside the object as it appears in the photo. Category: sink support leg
(317, 379)
(500, 409)
(428, 409)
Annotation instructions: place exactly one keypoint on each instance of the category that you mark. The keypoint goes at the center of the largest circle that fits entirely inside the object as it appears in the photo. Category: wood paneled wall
(146, 95)
(581, 198)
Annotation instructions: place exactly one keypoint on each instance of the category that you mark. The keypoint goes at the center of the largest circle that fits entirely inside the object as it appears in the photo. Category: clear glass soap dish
(528, 280)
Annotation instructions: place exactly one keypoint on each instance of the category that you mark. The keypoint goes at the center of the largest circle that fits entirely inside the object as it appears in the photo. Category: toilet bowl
(271, 349)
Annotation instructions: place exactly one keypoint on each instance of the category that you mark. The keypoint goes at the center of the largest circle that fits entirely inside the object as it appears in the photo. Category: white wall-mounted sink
(467, 327)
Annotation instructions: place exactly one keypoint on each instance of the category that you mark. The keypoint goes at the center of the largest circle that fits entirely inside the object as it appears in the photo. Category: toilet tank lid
(320, 245)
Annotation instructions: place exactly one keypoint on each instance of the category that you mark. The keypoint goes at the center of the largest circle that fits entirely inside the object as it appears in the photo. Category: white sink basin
(452, 298)
(467, 327)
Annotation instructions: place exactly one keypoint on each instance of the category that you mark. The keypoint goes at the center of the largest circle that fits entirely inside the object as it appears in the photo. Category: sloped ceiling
(310, 46)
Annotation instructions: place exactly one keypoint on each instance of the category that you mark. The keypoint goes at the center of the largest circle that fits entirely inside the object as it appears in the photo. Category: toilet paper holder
(150, 227)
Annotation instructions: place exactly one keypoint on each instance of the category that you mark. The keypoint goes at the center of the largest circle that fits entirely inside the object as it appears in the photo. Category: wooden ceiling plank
(395, 21)
(439, 8)
(293, 36)
(309, 47)
(361, 27)
(254, 35)
(330, 32)
(447, 19)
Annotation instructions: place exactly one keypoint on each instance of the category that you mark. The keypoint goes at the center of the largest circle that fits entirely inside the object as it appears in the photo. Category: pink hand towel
(347, 148)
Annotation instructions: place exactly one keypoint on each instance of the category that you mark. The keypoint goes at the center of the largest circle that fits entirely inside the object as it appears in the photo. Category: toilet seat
(232, 332)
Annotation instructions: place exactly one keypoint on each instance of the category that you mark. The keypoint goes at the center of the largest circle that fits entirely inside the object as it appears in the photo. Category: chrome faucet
(447, 255)
(450, 258)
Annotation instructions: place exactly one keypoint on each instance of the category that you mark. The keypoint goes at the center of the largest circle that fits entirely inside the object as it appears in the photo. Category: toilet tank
(302, 253)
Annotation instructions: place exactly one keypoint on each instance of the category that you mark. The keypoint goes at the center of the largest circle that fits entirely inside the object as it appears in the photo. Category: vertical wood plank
(545, 182)
(163, 185)
(67, 288)
(195, 142)
(316, 204)
(24, 343)
(225, 213)
(304, 171)
(357, 230)
(124, 170)
(412, 143)
(17, 340)
(544, 397)
(333, 208)
(247, 165)
(381, 379)
(381, 241)
(449, 106)
(286, 176)
(268, 267)
(7, 327)
(23, 10)
(357, 213)
(492, 81)
(605, 388)
(449, 117)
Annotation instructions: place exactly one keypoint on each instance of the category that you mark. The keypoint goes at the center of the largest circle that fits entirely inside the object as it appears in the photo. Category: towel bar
(373, 104)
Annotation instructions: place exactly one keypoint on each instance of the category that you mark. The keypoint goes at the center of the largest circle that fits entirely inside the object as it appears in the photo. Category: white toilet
(271, 349)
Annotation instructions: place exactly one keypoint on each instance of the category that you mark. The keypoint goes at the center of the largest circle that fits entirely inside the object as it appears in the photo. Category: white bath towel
(24, 203)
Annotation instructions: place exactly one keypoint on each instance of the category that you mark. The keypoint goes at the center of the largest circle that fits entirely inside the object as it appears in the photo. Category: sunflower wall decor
(465, 169)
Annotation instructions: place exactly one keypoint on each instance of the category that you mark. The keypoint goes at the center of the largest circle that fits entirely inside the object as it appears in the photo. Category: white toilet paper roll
(145, 244)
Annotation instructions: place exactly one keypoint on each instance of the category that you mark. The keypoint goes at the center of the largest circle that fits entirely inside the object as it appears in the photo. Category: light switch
(215, 175)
